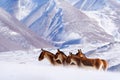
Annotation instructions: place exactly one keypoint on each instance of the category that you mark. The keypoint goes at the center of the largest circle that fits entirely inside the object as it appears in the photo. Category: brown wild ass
(72, 59)
(97, 63)
(46, 54)
(78, 59)
(60, 57)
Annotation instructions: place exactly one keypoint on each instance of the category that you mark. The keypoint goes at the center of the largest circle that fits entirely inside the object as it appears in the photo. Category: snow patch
(24, 65)
(72, 35)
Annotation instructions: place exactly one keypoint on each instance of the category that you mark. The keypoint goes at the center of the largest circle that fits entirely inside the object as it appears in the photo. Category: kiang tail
(105, 64)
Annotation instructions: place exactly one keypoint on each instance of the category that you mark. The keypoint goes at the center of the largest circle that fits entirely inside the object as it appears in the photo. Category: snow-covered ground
(15, 71)
(58, 22)
(24, 65)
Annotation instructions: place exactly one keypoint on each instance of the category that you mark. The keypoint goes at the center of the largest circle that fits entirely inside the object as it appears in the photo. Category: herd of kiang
(79, 59)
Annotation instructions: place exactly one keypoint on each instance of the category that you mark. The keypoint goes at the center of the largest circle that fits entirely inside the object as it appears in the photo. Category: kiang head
(59, 53)
(41, 54)
(68, 59)
(58, 56)
(70, 54)
(80, 54)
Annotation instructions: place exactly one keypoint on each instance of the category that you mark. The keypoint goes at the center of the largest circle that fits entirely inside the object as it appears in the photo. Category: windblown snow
(22, 65)
(28, 25)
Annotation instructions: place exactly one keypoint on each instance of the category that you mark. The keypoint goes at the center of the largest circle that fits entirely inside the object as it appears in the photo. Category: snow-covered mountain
(58, 21)
(105, 12)
(62, 22)
(9, 5)
(77, 23)
(88, 4)
(15, 36)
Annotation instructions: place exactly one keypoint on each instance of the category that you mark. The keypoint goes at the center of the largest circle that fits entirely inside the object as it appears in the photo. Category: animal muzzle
(58, 61)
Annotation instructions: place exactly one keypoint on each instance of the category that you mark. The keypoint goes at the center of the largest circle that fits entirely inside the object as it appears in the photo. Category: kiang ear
(58, 50)
(42, 49)
(70, 53)
(79, 50)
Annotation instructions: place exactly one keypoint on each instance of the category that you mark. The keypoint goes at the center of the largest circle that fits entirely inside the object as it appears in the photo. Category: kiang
(79, 59)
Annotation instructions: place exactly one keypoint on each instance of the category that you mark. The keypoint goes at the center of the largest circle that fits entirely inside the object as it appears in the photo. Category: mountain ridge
(16, 34)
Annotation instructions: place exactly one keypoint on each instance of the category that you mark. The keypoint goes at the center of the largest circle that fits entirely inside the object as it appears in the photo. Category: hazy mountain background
(15, 36)
(66, 22)
(28, 25)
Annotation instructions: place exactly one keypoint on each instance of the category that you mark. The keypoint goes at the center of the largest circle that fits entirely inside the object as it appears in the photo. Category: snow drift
(25, 65)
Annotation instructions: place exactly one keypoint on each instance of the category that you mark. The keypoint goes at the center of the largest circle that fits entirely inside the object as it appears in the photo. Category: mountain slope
(59, 22)
(14, 35)
(88, 5)
(105, 12)
(77, 22)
